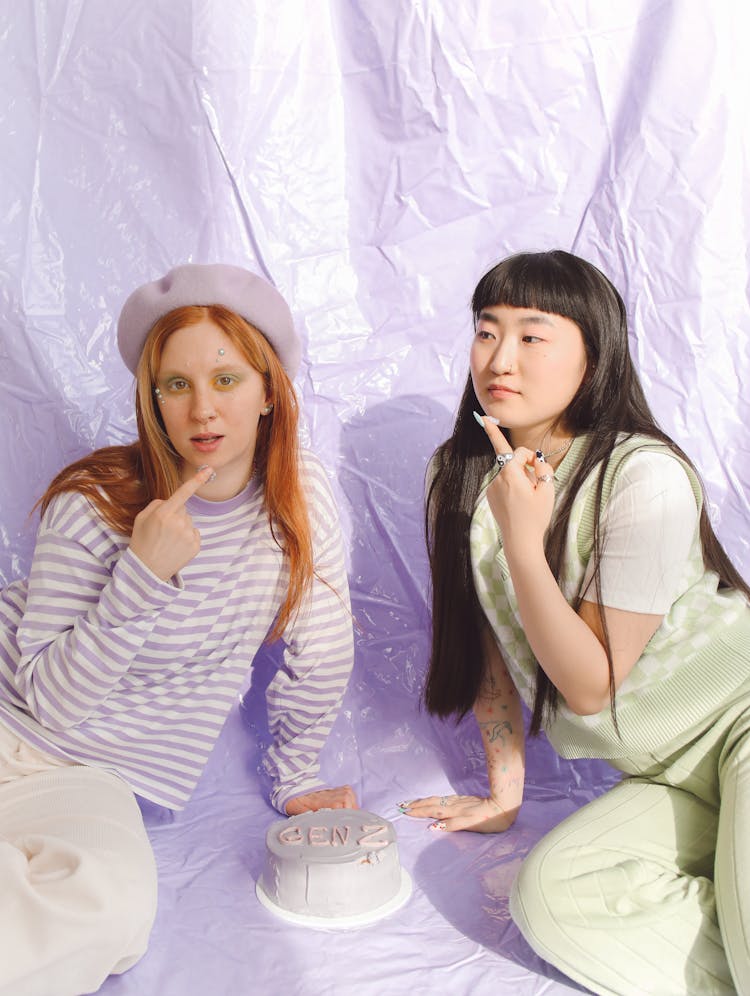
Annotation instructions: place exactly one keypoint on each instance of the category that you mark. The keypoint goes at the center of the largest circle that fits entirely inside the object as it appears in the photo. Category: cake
(334, 867)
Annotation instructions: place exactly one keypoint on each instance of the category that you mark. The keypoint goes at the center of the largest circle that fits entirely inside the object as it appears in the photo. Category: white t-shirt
(649, 527)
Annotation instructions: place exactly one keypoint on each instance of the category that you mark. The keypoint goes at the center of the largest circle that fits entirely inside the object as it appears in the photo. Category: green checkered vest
(696, 660)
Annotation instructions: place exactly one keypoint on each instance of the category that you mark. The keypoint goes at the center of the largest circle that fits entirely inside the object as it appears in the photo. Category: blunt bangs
(555, 281)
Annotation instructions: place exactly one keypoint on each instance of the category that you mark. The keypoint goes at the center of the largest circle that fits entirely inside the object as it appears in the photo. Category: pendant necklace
(545, 456)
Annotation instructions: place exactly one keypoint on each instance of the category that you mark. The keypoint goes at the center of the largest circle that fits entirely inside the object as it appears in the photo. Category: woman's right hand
(164, 538)
(461, 812)
(522, 495)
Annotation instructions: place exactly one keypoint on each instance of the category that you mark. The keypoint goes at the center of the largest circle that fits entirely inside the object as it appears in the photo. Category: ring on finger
(443, 801)
(502, 458)
(544, 478)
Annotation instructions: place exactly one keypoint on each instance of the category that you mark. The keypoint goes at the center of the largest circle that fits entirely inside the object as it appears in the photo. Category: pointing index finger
(186, 490)
(499, 443)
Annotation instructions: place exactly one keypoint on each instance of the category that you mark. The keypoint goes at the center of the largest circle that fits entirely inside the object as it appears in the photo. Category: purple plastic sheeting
(373, 159)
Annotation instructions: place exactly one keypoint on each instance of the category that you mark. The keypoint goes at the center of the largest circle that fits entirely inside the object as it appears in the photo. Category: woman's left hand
(461, 812)
(342, 797)
(522, 494)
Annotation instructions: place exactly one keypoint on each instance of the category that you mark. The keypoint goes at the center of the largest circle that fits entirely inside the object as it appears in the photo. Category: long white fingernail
(437, 825)
(490, 418)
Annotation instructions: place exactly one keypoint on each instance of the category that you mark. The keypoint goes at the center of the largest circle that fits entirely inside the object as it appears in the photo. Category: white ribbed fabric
(102, 662)
(651, 523)
(77, 875)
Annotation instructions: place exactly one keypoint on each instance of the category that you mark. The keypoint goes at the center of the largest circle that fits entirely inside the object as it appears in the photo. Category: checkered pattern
(699, 655)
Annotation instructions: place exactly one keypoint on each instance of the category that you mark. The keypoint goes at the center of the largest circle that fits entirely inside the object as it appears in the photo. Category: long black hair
(610, 400)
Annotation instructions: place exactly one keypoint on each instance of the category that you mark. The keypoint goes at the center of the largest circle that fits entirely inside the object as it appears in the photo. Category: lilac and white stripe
(102, 662)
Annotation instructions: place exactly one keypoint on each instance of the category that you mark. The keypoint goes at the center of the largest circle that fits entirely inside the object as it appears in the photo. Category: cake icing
(332, 865)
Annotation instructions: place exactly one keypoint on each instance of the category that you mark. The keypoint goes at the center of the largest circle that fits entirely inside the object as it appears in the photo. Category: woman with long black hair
(574, 568)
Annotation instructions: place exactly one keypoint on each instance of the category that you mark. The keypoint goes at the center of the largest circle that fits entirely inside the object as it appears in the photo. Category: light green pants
(646, 890)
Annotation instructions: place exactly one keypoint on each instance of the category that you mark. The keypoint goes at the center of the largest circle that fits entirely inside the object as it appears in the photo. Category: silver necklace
(560, 449)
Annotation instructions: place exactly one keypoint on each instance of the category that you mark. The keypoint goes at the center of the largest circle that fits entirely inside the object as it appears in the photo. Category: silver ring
(544, 478)
(443, 801)
(502, 458)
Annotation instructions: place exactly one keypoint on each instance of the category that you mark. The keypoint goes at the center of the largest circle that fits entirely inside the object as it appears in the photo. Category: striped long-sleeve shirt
(104, 663)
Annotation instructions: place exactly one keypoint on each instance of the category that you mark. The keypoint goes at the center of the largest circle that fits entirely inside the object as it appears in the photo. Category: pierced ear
(267, 410)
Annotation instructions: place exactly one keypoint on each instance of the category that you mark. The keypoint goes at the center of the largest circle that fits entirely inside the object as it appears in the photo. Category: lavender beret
(245, 293)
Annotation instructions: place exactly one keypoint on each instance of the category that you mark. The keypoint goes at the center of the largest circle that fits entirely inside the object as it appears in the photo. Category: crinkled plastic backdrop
(372, 158)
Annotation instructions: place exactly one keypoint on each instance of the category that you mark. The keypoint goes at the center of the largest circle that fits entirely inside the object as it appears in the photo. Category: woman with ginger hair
(159, 569)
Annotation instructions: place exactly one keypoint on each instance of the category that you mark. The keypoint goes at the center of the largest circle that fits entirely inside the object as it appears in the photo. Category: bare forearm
(498, 712)
(570, 654)
(500, 720)
(569, 645)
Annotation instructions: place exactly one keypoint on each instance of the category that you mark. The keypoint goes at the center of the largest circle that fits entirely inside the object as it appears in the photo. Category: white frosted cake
(335, 867)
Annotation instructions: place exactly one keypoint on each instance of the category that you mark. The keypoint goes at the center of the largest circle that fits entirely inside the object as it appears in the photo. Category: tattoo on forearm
(489, 690)
(496, 730)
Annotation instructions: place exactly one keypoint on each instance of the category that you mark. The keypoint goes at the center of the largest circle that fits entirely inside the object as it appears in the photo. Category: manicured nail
(437, 825)
(490, 418)
(540, 456)
(205, 466)
(403, 806)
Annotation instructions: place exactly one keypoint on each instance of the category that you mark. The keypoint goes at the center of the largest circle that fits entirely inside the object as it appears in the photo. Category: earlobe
(266, 410)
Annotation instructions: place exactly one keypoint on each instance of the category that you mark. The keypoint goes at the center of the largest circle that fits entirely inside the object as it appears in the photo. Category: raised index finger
(181, 495)
(499, 443)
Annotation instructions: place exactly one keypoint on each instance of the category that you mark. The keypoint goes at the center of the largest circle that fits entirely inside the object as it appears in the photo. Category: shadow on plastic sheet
(383, 457)
(485, 866)
(469, 888)
(381, 475)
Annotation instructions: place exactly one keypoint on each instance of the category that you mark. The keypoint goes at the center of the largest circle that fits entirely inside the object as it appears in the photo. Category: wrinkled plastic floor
(454, 934)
